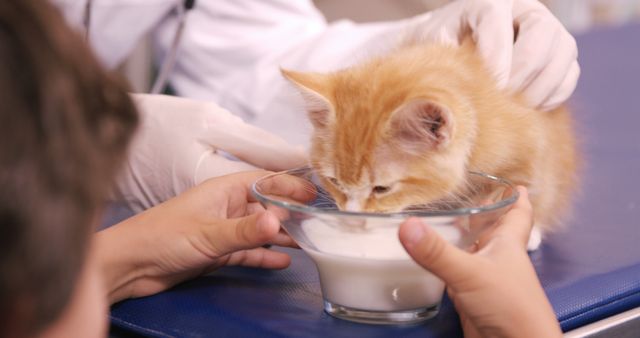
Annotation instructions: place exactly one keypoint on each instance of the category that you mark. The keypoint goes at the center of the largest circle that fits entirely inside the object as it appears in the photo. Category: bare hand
(214, 224)
(495, 289)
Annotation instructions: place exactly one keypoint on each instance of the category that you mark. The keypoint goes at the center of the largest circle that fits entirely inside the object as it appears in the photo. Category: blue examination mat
(590, 271)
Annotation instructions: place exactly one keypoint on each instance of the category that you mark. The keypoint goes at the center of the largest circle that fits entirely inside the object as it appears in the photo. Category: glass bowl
(365, 273)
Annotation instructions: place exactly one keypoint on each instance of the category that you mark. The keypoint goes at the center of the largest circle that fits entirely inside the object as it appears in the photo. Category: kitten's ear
(422, 124)
(314, 88)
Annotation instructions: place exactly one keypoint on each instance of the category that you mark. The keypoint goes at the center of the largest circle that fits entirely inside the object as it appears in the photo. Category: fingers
(254, 207)
(470, 330)
(564, 91)
(260, 258)
(516, 224)
(533, 49)
(491, 23)
(288, 186)
(548, 75)
(283, 239)
(231, 235)
(249, 143)
(433, 253)
(544, 56)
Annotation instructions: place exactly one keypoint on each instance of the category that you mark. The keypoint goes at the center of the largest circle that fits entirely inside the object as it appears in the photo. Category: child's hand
(495, 290)
(214, 224)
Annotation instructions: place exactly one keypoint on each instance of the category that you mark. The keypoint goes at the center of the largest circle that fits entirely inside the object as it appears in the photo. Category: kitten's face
(389, 178)
(382, 142)
(388, 187)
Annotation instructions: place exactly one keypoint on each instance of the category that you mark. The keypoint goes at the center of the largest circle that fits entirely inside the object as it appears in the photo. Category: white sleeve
(231, 52)
(116, 25)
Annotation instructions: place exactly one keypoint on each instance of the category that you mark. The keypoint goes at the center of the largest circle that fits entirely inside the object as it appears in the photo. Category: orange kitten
(404, 129)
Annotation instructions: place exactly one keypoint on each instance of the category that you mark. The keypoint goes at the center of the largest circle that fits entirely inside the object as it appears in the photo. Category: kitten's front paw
(534, 239)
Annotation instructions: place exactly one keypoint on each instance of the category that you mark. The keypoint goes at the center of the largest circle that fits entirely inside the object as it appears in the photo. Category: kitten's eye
(381, 189)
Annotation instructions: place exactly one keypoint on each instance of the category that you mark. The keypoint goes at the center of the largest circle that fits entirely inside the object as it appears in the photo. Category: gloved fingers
(491, 25)
(548, 80)
(435, 26)
(564, 91)
(159, 105)
(252, 145)
(542, 78)
(533, 50)
(212, 164)
(216, 128)
(542, 54)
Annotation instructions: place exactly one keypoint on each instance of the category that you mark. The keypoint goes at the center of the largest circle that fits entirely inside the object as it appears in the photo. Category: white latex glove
(541, 63)
(182, 142)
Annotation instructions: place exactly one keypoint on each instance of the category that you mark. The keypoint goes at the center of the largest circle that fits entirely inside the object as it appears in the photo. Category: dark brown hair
(64, 125)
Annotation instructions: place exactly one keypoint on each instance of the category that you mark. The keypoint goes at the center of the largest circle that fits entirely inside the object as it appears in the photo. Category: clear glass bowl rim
(403, 214)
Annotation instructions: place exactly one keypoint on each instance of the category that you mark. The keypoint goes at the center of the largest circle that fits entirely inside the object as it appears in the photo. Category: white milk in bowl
(364, 269)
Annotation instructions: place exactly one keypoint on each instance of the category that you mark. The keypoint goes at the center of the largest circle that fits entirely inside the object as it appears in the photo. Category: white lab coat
(231, 50)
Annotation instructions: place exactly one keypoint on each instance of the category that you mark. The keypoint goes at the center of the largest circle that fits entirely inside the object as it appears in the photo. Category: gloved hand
(182, 142)
(541, 63)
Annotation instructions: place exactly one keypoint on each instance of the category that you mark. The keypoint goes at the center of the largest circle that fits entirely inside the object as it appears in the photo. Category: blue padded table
(590, 272)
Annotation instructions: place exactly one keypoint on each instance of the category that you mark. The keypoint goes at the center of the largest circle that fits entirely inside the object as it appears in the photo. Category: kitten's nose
(353, 205)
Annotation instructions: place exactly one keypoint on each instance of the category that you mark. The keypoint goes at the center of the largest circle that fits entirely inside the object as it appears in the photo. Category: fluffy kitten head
(395, 131)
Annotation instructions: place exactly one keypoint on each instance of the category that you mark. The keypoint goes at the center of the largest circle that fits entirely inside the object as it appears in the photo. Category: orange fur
(367, 134)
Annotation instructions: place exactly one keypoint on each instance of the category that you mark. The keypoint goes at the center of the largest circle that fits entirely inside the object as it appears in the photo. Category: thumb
(516, 224)
(231, 235)
(433, 253)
